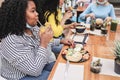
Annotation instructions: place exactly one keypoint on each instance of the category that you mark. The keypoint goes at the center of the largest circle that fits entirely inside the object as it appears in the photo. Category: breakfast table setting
(92, 48)
(92, 57)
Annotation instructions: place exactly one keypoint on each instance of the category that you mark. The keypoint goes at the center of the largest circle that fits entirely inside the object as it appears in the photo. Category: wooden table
(97, 46)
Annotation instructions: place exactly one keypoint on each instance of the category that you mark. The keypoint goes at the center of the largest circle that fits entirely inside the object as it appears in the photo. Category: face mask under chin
(101, 3)
(28, 26)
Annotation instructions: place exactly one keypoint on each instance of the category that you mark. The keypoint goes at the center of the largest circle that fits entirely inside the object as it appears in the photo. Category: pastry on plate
(75, 57)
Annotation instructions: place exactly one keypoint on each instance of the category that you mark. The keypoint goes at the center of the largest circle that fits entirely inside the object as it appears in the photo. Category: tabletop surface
(97, 46)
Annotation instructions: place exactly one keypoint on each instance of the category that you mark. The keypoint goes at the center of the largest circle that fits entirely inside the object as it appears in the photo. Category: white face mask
(28, 26)
(101, 2)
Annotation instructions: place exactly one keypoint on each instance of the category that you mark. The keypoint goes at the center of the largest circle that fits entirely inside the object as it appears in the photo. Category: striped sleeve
(22, 56)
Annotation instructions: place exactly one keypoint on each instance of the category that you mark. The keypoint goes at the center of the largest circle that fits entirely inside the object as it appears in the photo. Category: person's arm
(112, 12)
(66, 16)
(71, 26)
(86, 13)
(66, 41)
(21, 55)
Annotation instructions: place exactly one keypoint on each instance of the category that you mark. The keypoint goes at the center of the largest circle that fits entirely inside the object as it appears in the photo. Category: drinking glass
(114, 24)
(42, 29)
(103, 31)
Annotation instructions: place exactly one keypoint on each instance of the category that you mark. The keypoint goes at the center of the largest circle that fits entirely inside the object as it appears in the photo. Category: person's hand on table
(92, 15)
(108, 19)
(73, 25)
(67, 41)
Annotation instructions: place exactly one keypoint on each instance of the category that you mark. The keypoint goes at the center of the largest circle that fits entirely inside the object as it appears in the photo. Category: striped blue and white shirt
(23, 55)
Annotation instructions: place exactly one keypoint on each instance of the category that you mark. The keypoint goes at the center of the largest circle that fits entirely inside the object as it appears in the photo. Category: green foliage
(117, 50)
(97, 63)
(104, 24)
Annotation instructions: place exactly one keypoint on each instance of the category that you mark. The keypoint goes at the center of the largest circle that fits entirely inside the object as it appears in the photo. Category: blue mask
(28, 26)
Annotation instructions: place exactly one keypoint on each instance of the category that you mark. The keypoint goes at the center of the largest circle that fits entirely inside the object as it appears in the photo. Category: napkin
(107, 66)
(75, 72)
(79, 38)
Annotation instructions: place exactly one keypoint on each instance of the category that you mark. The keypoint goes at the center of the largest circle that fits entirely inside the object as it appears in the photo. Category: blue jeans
(57, 48)
(44, 75)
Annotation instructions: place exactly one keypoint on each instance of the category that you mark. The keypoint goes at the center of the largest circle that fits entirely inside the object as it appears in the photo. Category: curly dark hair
(48, 5)
(12, 17)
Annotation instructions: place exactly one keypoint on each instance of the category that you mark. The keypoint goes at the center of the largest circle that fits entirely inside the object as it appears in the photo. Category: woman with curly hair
(25, 51)
(50, 12)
